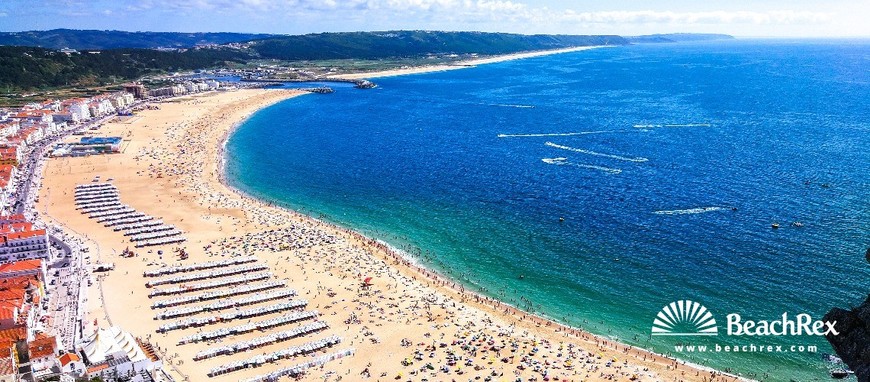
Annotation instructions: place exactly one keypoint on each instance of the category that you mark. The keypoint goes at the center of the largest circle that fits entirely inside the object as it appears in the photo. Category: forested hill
(310, 46)
(374, 45)
(97, 39)
(39, 68)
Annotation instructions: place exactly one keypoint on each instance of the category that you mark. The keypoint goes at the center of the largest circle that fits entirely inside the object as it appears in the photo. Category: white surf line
(587, 152)
(690, 211)
(558, 134)
(673, 125)
(564, 162)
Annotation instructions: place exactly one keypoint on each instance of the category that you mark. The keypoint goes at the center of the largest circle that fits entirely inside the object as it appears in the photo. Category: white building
(99, 107)
(43, 356)
(9, 128)
(81, 110)
(113, 354)
(212, 84)
(121, 100)
(19, 241)
(71, 365)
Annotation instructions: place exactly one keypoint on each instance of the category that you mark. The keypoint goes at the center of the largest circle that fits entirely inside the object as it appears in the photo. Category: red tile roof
(96, 368)
(15, 227)
(21, 235)
(67, 358)
(7, 336)
(42, 347)
(19, 266)
(7, 366)
(7, 313)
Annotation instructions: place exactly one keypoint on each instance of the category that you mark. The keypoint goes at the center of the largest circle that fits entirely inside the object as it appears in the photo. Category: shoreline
(229, 216)
(464, 64)
(408, 263)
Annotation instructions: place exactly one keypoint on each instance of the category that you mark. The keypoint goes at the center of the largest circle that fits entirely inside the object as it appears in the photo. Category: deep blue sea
(668, 163)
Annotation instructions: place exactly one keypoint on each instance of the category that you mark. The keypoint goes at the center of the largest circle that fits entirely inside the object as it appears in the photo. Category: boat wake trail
(587, 152)
(511, 105)
(558, 134)
(673, 125)
(690, 211)
(564, 162)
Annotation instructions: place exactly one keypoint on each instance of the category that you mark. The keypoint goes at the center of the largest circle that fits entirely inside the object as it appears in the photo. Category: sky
(760, 18)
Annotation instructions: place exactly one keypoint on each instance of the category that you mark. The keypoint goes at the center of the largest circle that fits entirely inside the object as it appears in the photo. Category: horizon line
(453, 30)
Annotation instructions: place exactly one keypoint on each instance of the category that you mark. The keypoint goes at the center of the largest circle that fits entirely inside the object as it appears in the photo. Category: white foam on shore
(558, 134)
(690, 211)
(561, 161)
(673, 125)
(589, 152)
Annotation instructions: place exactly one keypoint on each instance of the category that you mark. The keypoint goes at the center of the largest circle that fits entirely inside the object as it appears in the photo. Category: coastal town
(45, 271)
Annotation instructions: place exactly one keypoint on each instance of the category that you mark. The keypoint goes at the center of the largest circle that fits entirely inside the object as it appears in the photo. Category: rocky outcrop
(853, 342)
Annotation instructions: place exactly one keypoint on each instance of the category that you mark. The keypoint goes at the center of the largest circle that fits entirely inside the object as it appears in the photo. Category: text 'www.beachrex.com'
(745, 348)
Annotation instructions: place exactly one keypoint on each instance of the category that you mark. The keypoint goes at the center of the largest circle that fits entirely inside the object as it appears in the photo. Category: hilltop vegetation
(98, 40)
(39, 68)
(25, 68)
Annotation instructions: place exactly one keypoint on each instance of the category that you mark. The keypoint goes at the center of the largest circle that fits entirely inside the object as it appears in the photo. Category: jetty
(319, 90)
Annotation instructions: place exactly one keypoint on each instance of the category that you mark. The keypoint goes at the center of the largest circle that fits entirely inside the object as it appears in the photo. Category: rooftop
(42, 347)
(67, 358)
(7, 366)
(21, 266)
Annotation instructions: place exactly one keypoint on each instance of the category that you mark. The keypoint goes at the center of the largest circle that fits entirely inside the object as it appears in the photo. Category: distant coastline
(464, 64)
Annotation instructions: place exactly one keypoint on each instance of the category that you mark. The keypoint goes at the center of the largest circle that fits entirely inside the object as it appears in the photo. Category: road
(68, 275)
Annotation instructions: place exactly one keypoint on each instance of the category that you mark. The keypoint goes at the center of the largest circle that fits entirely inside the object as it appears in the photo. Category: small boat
(561, 219)
(797, 224)
(841, 373)
(774, 225)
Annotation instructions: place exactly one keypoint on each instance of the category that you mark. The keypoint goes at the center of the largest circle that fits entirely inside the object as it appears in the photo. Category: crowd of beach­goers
(289, 238)
(400, 322)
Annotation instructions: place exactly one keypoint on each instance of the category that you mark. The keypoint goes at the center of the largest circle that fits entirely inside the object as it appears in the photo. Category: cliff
(853, 342)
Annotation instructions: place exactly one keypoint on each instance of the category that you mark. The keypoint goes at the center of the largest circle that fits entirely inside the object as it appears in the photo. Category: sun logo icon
(684, 318)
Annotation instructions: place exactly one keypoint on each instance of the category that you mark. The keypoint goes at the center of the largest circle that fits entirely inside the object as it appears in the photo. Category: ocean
(599, 186)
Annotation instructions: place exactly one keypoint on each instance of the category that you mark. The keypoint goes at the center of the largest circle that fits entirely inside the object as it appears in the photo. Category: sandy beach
(461, 64)
(407, 325)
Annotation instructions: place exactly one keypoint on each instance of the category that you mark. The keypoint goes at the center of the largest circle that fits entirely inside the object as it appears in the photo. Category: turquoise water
(777, 130)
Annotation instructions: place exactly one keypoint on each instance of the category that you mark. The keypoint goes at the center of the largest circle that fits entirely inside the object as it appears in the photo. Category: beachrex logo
(684, 318)
(689, 318)
(802, 325)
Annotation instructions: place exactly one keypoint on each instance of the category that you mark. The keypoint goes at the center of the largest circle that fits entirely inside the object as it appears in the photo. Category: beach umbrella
(368, 280)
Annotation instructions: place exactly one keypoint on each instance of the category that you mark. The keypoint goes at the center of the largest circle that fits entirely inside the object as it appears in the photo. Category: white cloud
(494, 10)
(715, 17)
